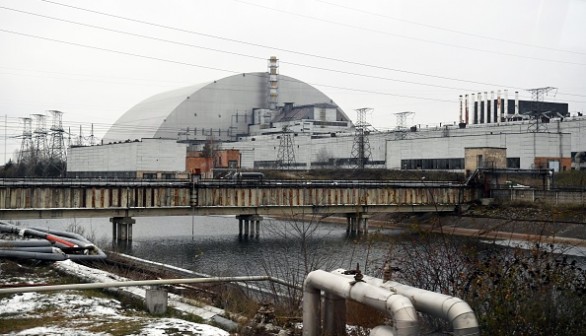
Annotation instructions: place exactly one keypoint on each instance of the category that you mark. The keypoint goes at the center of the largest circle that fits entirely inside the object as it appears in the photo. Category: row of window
(447, 164)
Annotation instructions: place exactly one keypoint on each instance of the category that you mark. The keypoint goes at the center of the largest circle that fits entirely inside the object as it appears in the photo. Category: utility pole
(361, 145)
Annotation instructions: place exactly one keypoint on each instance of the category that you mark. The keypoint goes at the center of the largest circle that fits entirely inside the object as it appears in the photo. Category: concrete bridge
(248, 200)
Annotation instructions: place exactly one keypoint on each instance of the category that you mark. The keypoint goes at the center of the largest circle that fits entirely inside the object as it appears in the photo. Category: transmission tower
(92, 137)
(57, 150)
(80, 141)
(40, 137)
(286, 154)
(538, 96)
(26, 145)
(402, 118)
(361, 146)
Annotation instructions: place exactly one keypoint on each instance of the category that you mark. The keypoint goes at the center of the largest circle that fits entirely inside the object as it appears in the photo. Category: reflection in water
(215, 248)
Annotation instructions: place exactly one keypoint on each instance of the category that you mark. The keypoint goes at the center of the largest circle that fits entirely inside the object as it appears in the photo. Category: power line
(198, 65)
(230, 52)
(450, 30)
(378, 67)
(405, 37)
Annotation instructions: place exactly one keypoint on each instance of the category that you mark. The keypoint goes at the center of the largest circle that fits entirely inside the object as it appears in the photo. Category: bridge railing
(140, 195)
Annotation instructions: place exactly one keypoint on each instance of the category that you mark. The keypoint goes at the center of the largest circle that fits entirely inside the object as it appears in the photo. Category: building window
(514, 162)
(433, 164)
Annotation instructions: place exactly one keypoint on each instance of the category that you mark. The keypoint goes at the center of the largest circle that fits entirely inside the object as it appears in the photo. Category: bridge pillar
(365, 218)
(348, 224)
(251, 226)
(122, 228)
(356, 223)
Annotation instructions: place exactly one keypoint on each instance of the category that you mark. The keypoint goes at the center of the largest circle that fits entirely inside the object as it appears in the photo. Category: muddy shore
(548, 225)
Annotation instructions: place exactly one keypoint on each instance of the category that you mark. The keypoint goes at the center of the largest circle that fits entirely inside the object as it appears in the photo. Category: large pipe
(455, 310)
(41, 249)
(400, 308)
(113, 284)
(32, 255)
(383, 330)
(68, 241)
(24, 243)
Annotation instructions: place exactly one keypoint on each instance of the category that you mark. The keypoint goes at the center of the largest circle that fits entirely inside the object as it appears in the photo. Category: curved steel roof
(216, 106)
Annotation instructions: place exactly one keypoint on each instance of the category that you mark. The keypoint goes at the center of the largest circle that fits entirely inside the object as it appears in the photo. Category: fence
(553, 197)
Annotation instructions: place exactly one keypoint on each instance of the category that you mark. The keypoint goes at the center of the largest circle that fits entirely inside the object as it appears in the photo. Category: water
(210, 245)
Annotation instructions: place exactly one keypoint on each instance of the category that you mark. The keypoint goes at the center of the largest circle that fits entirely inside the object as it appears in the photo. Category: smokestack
(461, 110)
(475, 109)
(480, 108)
(486, 108)
(466, 108)
(499, 106)
(506, 102)
(516, 102)
(493, 116)
(273, 82)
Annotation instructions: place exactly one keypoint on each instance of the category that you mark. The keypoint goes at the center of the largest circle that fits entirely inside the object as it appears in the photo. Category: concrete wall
(484, 158)
(307, 149)
(525, 146)
(157, 155)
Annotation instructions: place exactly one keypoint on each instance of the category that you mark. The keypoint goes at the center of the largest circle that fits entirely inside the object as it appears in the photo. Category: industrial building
(263, 120)
(144, 159)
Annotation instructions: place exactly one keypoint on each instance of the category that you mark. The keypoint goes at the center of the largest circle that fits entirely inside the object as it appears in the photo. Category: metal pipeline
(24, 243)
(68, 245)
(41, 249)
(383, 330)
(32, 255)
(114, 284)
(453, 309)
(335, 286)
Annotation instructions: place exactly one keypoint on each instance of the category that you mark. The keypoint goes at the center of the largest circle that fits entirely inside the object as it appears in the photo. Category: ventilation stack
(273, 82)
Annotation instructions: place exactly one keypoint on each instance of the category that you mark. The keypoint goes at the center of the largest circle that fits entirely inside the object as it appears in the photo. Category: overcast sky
(94, 60)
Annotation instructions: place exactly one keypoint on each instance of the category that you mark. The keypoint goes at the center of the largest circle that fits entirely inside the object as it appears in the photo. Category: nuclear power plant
(266, 120)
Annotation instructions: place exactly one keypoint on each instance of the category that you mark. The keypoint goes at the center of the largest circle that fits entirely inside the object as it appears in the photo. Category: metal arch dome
(219, 105)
